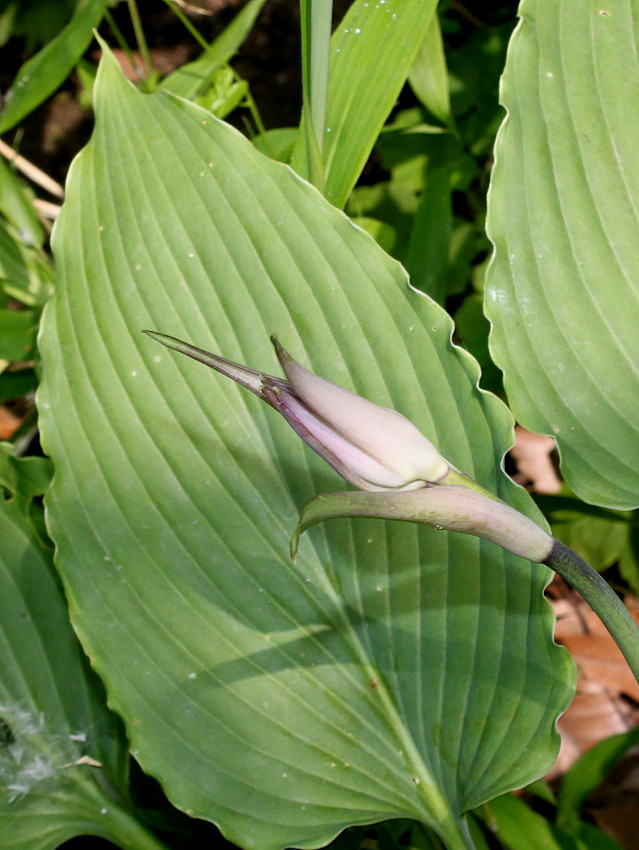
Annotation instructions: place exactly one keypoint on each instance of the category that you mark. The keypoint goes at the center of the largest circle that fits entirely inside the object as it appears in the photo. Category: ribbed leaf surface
(62, 753)
(563, 288)
(393, 671)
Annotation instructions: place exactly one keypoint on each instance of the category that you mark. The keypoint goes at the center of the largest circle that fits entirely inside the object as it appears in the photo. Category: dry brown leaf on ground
(9, 423)
(532, 455)
(607, 699)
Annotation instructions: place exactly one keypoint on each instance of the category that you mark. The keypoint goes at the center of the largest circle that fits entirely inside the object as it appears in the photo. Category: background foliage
(286, 702)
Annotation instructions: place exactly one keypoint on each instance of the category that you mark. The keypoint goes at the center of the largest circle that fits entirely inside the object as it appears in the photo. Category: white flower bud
(379, 449)
(370, 446)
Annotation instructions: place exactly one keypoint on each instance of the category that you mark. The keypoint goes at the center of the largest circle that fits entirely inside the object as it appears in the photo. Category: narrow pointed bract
(370, 446)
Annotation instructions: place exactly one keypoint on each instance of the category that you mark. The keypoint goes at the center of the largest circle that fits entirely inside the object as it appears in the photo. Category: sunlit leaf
(563, 288)
(380, 675)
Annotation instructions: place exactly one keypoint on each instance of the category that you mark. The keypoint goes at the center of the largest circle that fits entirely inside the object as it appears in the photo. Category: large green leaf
(563, 287)
(393, 671)
(62, 753)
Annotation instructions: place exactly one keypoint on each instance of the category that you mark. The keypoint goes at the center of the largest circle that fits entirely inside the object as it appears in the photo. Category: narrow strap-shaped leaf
(189, 79)
(428, 75)
(372, 51)
(40, 76)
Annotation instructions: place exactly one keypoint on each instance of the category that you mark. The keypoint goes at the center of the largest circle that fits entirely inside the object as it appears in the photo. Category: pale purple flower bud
(370, 446)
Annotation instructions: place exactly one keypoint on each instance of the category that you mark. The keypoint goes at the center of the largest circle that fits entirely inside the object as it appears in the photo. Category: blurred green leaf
(474, 72)
(389, 203)
(15, 384)
(629, 559)
(17, 330)
(466, 243)
(25, 273)
(33, 20)
(16, 204)
(383, 233)
(389, 835)
(542, 790)
(518, 827)
(437, 250)
(562, 291)
(590, 837)
(194, 78)
(62, 753)
(471, 330)
(277, 143)
(24, 477)
(428, 75)
(86, 72)
(406, 156)
(255, 690)
(587, 773)
(13, 266)
(410, 835)
(226, 93)
(601, 536)
(427, 258)
(46, 71)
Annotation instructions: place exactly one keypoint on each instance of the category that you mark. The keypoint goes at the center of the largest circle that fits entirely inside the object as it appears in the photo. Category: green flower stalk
(402, 476)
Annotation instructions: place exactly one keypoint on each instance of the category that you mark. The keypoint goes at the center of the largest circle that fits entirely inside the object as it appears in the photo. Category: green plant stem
(320, 39)
(464, 829)
(121, 40)
(255, 113)
(141, 40)
(601, 598)
(315, 16)
(179, 14)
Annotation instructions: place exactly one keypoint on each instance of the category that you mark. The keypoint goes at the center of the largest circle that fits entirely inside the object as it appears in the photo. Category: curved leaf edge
(503, 431)
(496, 335)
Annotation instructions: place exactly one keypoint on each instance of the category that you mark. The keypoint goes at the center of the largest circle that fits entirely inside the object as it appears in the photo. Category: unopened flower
(372, 447)
(380, 451)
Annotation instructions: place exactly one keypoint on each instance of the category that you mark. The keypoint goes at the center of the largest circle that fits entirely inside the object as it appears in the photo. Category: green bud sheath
(452, 507)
